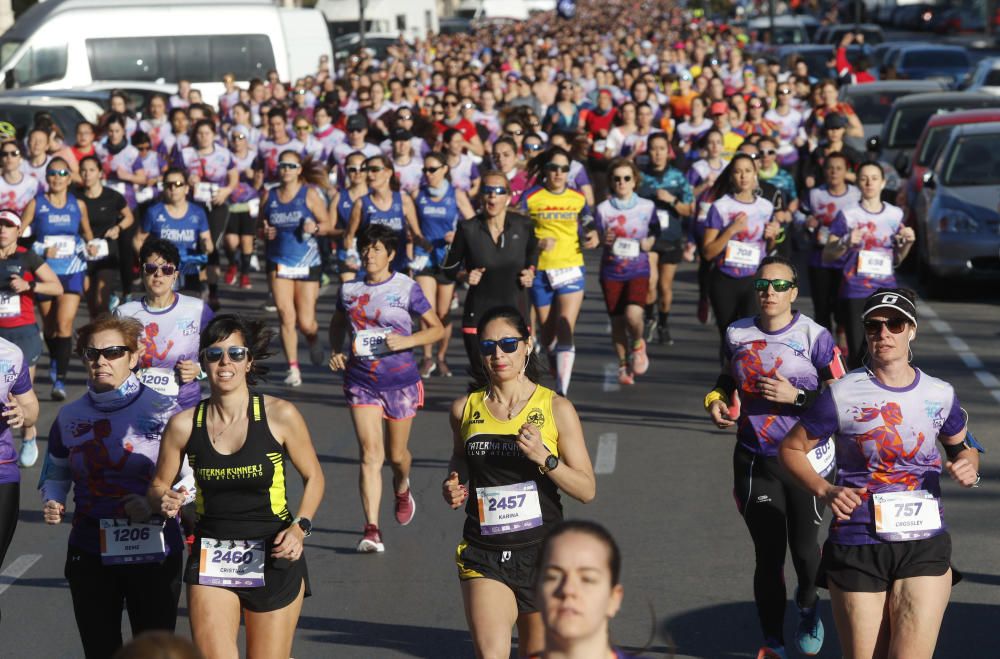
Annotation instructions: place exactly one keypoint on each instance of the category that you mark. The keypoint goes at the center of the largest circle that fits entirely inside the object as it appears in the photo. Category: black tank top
(240, 496)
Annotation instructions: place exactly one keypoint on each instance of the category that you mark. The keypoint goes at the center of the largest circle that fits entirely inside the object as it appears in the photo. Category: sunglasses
(895, 325)
(166, 269)
(111, 353)
(432, 170)
(374, 170)
(239, 137)
(622, 179)
(533, 147)
(355, 170)
(303, 128)
(784, 92)
(288, 165)
(451, 104)
(404, 117)
(552, 167)
(497, 190)
(214, 353)
(779, 285)
(516, 133)
(468, 106)
(175, 184)
(62, 173)
(756, 106)
(507, 344)
(10, 154)
(768, 152)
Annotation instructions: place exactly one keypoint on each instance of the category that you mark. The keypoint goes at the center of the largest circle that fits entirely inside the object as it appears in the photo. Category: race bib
(743, 255)
(874, 264)
(420, 262)
(371, 343)
(65, 245)
(822, 458)
(145, 193)
(823, 235)
(205, 191)
(162, 380)
(508, 508)
(102, 249)
(254, 207)
(663, 216)
(292, 271)
(563, 277)
(600, 146)
(232, 563)
(10, 305)
(625, 248)
(908, 515)
(124, 543)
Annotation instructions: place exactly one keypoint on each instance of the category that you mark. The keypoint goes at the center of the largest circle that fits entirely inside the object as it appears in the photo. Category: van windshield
(40, 64)
(7, 48)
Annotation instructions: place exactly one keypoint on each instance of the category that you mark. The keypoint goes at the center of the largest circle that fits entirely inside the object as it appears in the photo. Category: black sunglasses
(619, 179)
(404, 117)
(152, 268)
(507, 344)
(497, 190)
(534, 147)
(111, 353)
(288, 165)
(895, 325)
(374, 170)
(10, 154)
(516, 133)
(63, 173)
(175, 184)
(779, 285)
(431, 170)
(214, 353)
(355, 170)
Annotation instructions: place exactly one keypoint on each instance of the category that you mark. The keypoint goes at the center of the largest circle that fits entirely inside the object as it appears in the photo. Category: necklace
(237, 422)
(515, 401)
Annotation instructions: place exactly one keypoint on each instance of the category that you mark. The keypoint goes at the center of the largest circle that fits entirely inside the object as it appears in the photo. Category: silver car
(958, 210)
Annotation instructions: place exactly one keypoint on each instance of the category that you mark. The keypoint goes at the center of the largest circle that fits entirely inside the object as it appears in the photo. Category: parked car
(872, 101)
(922, 62)
(909, 115)
(986, 76)
(20, 112)
(137, 93)
(958, 221)
(818, 57)
(832, 34)
(787, 30)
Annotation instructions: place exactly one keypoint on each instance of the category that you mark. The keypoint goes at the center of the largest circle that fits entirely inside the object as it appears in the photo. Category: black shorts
(873, 568)
(241, 224)
(27, 338)
(669, 252)
(437, 274)
(110, 262)
(282, 581)
(314, 272)
(515, 568)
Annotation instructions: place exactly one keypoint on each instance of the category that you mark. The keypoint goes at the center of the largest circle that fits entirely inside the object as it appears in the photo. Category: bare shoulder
(281, 410)
(458, 406)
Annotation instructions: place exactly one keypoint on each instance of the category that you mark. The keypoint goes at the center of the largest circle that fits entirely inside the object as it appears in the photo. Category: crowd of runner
(472, 170)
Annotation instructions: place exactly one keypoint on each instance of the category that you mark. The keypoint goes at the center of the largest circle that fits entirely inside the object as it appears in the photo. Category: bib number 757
(908, 515)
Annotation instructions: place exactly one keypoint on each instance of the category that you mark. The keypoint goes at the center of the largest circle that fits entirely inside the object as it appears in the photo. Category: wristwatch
(800, 398)
(550, 463)
(305, 524)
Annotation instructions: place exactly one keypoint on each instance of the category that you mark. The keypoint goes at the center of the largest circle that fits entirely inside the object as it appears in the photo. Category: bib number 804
(506, 503)
(132, 534)
(233, 557)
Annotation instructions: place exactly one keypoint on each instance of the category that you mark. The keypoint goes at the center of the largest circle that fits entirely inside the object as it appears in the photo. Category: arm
(455, 258)
(168, 465)
(432, 331)
(27, 216)
(464, 205)
(715, 240)
(475, 145)
(85, 229)
(56, 479)
(575, 474)
(338, 332)
(353, 225)
(125, 220)
(207, 245)
(412, 222)
(902, 242)
(46, 281)
(453, 489)
(963, 459)
(315, 205)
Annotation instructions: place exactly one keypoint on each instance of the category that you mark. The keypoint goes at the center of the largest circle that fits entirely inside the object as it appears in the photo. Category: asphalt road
(663, 488)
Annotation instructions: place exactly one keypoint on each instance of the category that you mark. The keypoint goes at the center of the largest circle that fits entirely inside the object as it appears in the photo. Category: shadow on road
(411, 640)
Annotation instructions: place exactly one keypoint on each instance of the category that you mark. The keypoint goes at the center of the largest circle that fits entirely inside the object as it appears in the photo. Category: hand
(269, 232)
(719, 412)
(547, 243)
(812, 222)
(454, 492)
(449, 237)
(53, 512)
(113, 232)
(288, 543)
(591, 240)
(529, 440)
(476, 276)
(172, 500)
(609, 237)
(397, 342)
(854, 240)
(121, 172)
(905, 236)
(739, 223)
(338, 361)
(772, 229)
(527, 278)
(13, 412)
(782, 217)
(91, 250)
(847, 39)
(859, 37)
(665, 197)
(194, 180)
(51, 252)
(219, 198)
(843, 500)
(187, 370)
(137, 508)
(310, 228)
(810, 182)
(18, 285)
(962, 472)
(777, 389)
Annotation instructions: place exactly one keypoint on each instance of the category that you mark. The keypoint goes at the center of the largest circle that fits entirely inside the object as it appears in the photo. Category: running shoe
(443, 369)
(703, 311)
(324, 280)
(663, 336)
(58, 391)
(809, 635)
(689, 251)
(231, 273)
(427, 366)
(639, 359)
(625, 376)
(254, 263)
(649, 331)
(768, 652)
(316, 352)
(371, 543)
(29, 453)
(406, 507)
(245, 282)
(113, 302)
(294, 378)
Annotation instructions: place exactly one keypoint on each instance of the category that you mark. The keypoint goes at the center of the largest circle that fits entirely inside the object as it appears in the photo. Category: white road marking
(611, 377)
(961, 348)
(607, 448)
(970, 360)
(989, 380)
(16, 570)
(956, 344)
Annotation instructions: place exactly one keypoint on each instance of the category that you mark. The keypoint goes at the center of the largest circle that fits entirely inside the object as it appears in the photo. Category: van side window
(198, 59)
(40, 65)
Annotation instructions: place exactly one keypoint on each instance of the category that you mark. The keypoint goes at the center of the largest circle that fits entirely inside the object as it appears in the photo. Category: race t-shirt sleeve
(474, 172)
(839, 226)
(147, 220)
(581, 178)
(820, 419)
(32, 260)
(22, 384)
(823, 354)
(202, 222)
(687, 192)
(955, 421)
(418, 302)
(714, 220)
(206, 315)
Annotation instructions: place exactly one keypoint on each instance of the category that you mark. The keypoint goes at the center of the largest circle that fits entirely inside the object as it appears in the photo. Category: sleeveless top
(494, 459)
(240, 496)
(291, 247)
(437, 218)
(393, 217)
(59, 227)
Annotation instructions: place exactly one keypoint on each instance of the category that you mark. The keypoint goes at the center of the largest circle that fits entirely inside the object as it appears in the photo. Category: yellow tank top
(557, 216)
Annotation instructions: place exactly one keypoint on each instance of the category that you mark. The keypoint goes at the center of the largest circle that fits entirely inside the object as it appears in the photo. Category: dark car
(872, 101)
(922, 62)
(832, 34)
(817, 57)
(22, 117)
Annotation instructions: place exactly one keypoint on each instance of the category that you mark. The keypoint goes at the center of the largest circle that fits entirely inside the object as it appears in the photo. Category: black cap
(401, 135)
(357, 122)
(835, 120)
(899, 299)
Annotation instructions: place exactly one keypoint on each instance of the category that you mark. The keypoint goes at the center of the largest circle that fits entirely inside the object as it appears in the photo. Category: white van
(72, 43)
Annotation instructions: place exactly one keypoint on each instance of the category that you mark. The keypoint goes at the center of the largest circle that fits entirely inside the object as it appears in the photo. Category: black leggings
(779, 513)
(824, 284)
(149, 591)
(850, 316)
(732, 298)
(218, 217)
(10, 497)
(471, 342)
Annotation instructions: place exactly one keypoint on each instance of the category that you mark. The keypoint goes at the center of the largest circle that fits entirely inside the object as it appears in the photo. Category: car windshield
(907, 124)
(992, 78)
(874, 108)
(936, 137)
(935, 59)
(974, 161)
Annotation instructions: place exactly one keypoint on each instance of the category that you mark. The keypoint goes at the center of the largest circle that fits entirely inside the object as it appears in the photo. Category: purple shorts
(396, 404)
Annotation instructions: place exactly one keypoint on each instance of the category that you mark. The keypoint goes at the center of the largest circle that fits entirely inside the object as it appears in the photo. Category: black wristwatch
(800, 398)
(550, 463)
(305, 524)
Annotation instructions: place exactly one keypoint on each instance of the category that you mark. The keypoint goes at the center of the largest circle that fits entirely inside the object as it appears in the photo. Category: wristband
(714, 395)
